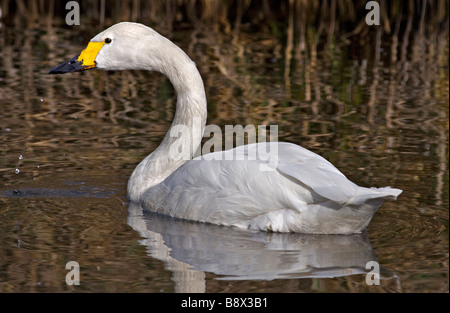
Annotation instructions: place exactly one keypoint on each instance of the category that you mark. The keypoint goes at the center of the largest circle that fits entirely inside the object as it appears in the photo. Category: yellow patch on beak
(88, 55)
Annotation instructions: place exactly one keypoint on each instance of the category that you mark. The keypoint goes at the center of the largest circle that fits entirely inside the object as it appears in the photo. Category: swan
(296, 191)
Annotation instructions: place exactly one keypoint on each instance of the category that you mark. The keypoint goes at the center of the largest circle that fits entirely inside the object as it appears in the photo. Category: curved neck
(184, 135)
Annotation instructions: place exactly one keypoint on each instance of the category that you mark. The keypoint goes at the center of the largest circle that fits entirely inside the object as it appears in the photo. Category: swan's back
(300, 192)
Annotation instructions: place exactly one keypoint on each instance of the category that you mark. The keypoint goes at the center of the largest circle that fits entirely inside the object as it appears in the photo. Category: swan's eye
(108, 40)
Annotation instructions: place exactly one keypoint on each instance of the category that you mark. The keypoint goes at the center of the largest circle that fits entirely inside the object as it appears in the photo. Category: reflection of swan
(189, 249)
(292, 190)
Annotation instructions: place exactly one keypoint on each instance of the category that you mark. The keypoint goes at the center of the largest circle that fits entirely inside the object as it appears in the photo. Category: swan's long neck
(184, 135)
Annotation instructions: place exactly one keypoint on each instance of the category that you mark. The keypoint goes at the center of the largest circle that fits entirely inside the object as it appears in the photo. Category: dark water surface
(376, 108)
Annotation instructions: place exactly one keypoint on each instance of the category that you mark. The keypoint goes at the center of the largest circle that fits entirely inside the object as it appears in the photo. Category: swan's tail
(363, 195)
(346, 217)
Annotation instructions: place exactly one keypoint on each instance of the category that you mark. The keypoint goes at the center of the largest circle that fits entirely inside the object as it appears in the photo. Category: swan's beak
(84, 61)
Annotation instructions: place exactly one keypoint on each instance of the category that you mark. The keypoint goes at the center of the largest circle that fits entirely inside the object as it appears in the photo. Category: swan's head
(123, 46)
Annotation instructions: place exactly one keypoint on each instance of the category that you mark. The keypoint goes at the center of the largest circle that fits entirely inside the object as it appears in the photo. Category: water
(380, 117)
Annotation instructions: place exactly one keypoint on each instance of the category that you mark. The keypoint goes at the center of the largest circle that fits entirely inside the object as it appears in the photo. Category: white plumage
(305, 193)
(296, 191)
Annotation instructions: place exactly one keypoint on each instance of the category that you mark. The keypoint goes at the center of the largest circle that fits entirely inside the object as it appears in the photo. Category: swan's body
(301, 191)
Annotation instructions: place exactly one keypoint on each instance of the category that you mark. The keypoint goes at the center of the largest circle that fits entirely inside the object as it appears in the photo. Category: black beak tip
(55, 70)
(67, 67)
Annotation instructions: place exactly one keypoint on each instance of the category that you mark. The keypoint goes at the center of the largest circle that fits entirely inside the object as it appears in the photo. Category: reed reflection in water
(372, 100)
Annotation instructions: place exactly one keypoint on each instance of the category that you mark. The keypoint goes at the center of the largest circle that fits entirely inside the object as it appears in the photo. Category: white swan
(302, 193)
